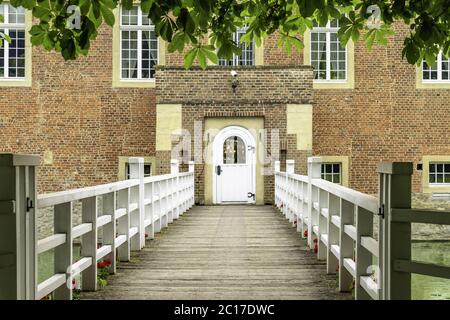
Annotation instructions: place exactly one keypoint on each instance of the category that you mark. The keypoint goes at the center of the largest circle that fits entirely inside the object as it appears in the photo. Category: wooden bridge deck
(224, 252)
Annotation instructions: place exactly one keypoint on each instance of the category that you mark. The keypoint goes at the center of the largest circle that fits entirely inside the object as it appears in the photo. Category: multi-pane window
(12, 54)
(331, 172)
(439, 173)
(147, 170)
(138, 45)
(247, 57)
(439, 71)
(328, 57)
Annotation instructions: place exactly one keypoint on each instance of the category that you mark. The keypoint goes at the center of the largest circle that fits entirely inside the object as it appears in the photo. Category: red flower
(305, 233)
(146, 235)
(315, 240)
(103, 264)
(316, 248)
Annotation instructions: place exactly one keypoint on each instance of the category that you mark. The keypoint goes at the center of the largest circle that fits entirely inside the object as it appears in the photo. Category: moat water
(423, 287)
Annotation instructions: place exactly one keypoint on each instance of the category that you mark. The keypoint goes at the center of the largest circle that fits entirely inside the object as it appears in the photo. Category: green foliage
(185, 23)
(102, 277)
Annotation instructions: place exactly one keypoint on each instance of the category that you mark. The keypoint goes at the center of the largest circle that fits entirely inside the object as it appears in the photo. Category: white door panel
(235, 180)
(234, 153)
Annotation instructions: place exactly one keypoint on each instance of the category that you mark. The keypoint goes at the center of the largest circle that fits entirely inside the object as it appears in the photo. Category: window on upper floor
(332, 172)
(328, 57)
(438, 72)
(138, 45)
(439, 173)
(247, 57)
(12, 54)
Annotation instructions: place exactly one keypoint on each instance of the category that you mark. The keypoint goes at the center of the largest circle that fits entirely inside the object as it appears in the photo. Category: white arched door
(234, 169)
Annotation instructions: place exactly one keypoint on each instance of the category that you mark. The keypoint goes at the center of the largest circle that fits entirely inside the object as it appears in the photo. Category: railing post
(64, 252)
(275, 182)
(18, 258)
(290, 169)
(192, 170)
(175, 170)
(314, 172)
(395, 237)
(137, 172)
(277, 166)
(89, 243)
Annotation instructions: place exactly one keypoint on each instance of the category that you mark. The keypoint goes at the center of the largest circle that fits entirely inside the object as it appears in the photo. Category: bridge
(317, 242)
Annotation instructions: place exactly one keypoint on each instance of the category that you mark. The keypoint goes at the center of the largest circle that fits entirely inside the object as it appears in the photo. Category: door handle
(218, 170)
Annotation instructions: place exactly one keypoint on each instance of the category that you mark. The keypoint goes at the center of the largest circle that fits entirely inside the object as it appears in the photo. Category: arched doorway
(234, 166)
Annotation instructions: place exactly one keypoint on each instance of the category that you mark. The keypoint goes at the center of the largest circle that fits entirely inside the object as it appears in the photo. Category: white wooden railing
(338, 224)
(131, 210)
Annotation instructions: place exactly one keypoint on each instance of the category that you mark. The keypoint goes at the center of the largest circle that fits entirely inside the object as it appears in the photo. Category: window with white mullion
(247, 56)
(139, 46)
(12, 54)
(328, 58)
(438, 72)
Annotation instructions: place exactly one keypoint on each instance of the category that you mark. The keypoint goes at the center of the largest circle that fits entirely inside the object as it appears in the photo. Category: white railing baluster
(364, 228)
(89, 243)
(333, 233)
(109, 230)
(63, 253)
(314, 164)
(123, 224)
(346, 247)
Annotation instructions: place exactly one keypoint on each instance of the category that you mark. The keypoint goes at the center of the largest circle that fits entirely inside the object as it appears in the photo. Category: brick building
(354, 108)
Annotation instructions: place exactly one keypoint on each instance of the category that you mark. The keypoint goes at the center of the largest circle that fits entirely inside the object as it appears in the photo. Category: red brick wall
(73, 111)
(384, 118)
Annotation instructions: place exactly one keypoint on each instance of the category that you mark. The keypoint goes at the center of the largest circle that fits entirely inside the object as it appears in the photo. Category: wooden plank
(133, 231)
(103, 251)
(51, 284)
(81, 229)
(336, 220)
(421, 216)
(81, 265)
(335, 250)
(370, 287)
(63, 253)
(370, 244)
(121, 212)
(89, 215)
(51, 199)
(120, 239)
(350, 230)
(324, 239)
(360, 199)
(133, 206)
(102, 220)
(223, 252)
(350, 265)
(51, 242)
(427, 269)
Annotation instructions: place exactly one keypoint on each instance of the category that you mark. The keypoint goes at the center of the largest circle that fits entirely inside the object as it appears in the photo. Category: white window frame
(236, 57)
(328, 30)
(323, 164)
(439, 71)
(438, 184)
(139, 28)
(6, 26)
